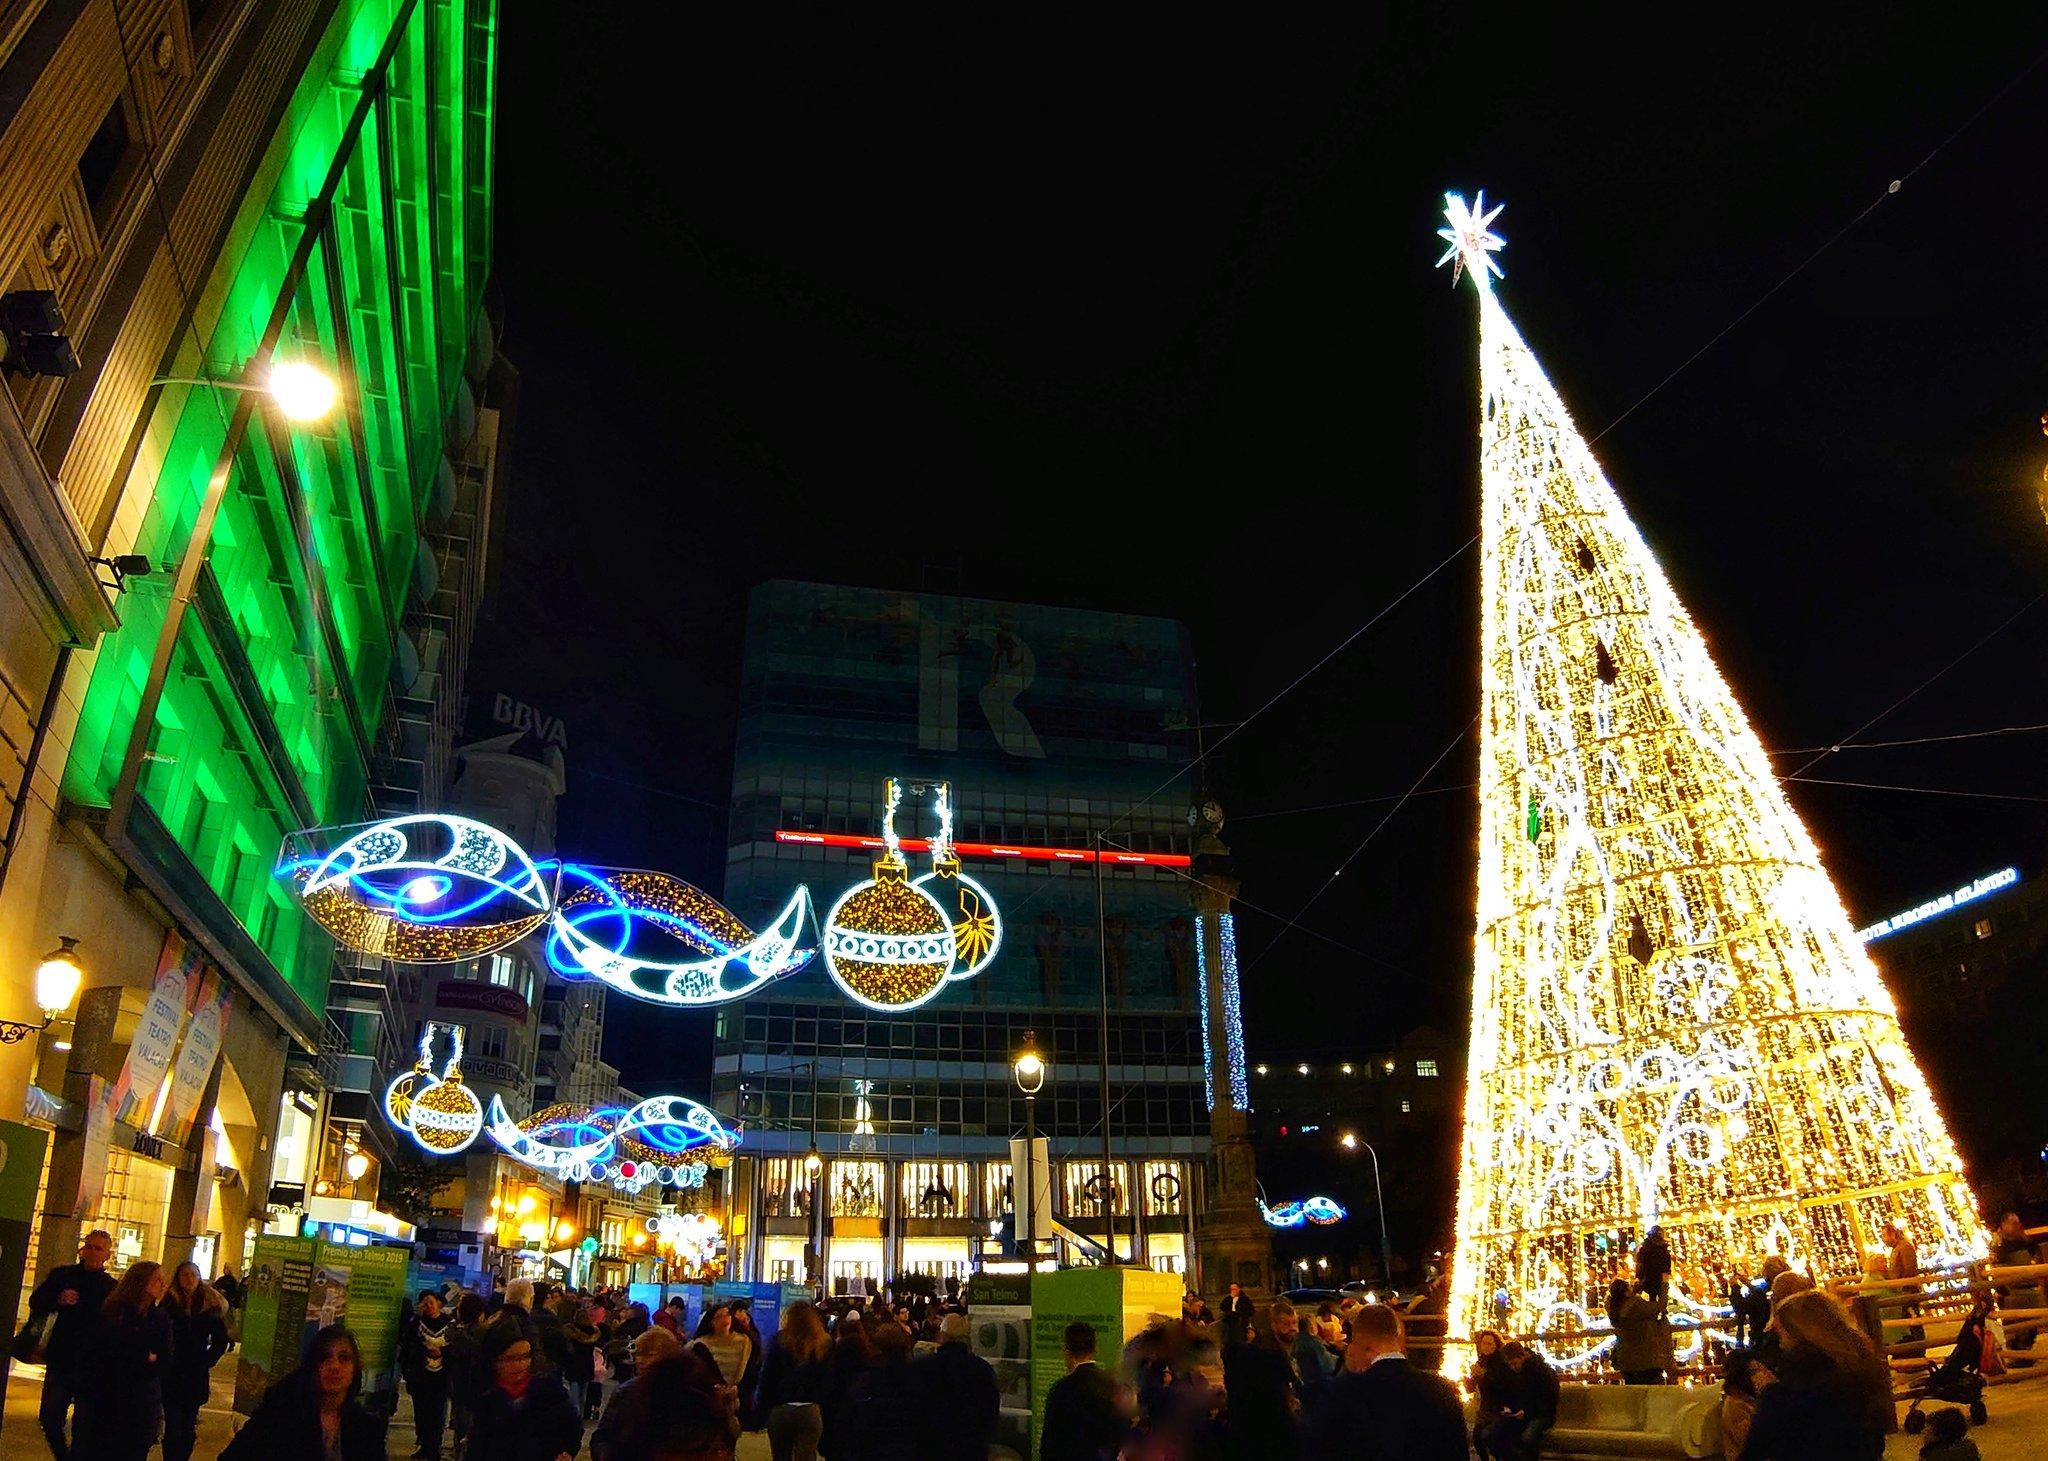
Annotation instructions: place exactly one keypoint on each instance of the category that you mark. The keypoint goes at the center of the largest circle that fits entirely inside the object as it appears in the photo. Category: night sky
(1146, 321)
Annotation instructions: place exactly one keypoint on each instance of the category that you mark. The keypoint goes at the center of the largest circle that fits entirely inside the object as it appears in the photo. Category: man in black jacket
(75, 1294)
(1532, 1405)
(1237, 1316)
(960, 1396)
(1084, 1417)
(1384, 1409)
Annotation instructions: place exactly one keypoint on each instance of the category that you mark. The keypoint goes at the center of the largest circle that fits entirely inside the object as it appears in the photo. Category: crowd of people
(536, 1373)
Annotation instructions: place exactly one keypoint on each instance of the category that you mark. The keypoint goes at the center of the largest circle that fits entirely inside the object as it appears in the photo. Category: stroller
(1959, 1378)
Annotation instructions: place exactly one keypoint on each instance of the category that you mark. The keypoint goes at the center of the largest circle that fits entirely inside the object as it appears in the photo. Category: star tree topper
(1472, 240)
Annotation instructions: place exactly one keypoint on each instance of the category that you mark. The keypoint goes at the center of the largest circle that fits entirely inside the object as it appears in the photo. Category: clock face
(1213, 813)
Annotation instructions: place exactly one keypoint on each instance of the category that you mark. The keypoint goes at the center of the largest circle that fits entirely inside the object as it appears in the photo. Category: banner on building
(21, 1181)
(198, 1052)
(99, 1131)
(148, 1064)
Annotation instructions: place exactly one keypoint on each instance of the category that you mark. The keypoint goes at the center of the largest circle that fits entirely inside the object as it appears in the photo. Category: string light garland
(1232, 1016)
(1674, 1023)
(433, 888)
(667, 1140)
(1322, 1211)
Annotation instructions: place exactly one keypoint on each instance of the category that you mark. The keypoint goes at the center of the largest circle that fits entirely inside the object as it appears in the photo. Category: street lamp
(355, 1164)
(1386, 1253)
(1029, 1067)
(57, 979)
(300, 390)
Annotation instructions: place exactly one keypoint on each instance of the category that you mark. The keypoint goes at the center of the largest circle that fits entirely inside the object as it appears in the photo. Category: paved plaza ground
(2018, 1430)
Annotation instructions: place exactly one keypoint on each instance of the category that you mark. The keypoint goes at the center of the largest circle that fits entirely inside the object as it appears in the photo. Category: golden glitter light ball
(446, 1117)
(887, 944)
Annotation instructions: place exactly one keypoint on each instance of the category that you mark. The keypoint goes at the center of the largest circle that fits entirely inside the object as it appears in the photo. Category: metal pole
(1102, 970)
(817, 1226)
(1386, 1254)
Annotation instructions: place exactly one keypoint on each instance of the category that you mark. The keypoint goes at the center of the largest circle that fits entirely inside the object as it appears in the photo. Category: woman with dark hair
(677, 1408)
(121, 1401)
(313, 1414)
(199, 1337)
(1642, 1340)
(721, 1343)
(884, 1415)
(1493, 1386)
(853, 1354)
(750, 1377)
(521, 1416)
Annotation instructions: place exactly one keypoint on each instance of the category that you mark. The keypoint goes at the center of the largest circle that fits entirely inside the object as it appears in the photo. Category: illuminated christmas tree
(1673, 1021)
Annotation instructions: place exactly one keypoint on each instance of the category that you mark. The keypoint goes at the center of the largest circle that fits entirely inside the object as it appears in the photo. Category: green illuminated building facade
(233, 185)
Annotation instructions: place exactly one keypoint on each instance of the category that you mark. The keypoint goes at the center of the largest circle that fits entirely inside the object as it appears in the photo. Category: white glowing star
(1472, 240)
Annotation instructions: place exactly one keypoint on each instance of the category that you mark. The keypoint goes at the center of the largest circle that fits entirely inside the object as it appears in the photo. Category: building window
(103, 166)
(1406, 1107)
(490, 1042)
(1984, 928)
(501, 970)
(1425, 1068)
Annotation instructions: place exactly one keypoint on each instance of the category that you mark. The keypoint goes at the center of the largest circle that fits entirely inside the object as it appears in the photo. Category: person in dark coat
(677, 1408)
(423, 1360)
(960, 1396)
(883, 1419)
(1382, 1408)
(1653, 1264)
(520, 1416)
(1492, 1385)
(75, 1293)
(313, 1414)
(1532, 1406)
(120, 1394)
(464, 1359)
(1264, 1392)
(1084, 1413)
(853, 1355)
(796, 1382)
(1642, 1335)
(199, 1337)
(1237, 1316)
(1832, 1400)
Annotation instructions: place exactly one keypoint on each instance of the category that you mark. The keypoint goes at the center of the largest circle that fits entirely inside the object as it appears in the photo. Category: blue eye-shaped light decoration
(659, 938)
(1322, 1211)
(423, 889)
(669, 1140)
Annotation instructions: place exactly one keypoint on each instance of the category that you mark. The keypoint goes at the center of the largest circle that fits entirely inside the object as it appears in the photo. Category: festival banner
(197, 1054)
(156, 1034)
(99, 1133)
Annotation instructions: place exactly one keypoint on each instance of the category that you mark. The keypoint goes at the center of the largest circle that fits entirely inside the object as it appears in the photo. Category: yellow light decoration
(1674, 1022)
(440, 1113)
(888, 944)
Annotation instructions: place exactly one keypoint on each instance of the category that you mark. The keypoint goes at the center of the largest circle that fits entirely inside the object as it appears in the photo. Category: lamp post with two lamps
(1029, 1068)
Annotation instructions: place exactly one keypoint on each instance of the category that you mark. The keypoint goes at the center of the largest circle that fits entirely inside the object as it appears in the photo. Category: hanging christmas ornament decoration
(440, 1113)
(971, 908)
(1322, 1211)
(888, 944)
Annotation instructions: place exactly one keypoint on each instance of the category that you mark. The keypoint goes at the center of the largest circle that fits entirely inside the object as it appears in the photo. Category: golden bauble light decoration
(887, 944)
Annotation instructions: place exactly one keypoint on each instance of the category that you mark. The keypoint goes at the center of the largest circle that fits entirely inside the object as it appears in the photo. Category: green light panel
(281, 672)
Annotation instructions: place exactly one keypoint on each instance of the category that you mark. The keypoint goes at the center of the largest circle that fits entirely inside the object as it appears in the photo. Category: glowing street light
(355, 1164)
(300, 390)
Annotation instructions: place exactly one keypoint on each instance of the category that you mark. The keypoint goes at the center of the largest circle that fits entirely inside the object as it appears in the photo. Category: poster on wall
(21, 1179)
(148, 1064)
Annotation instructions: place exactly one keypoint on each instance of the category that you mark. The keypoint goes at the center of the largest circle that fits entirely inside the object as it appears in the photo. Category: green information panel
(1119, 1302)
(298, 1286)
